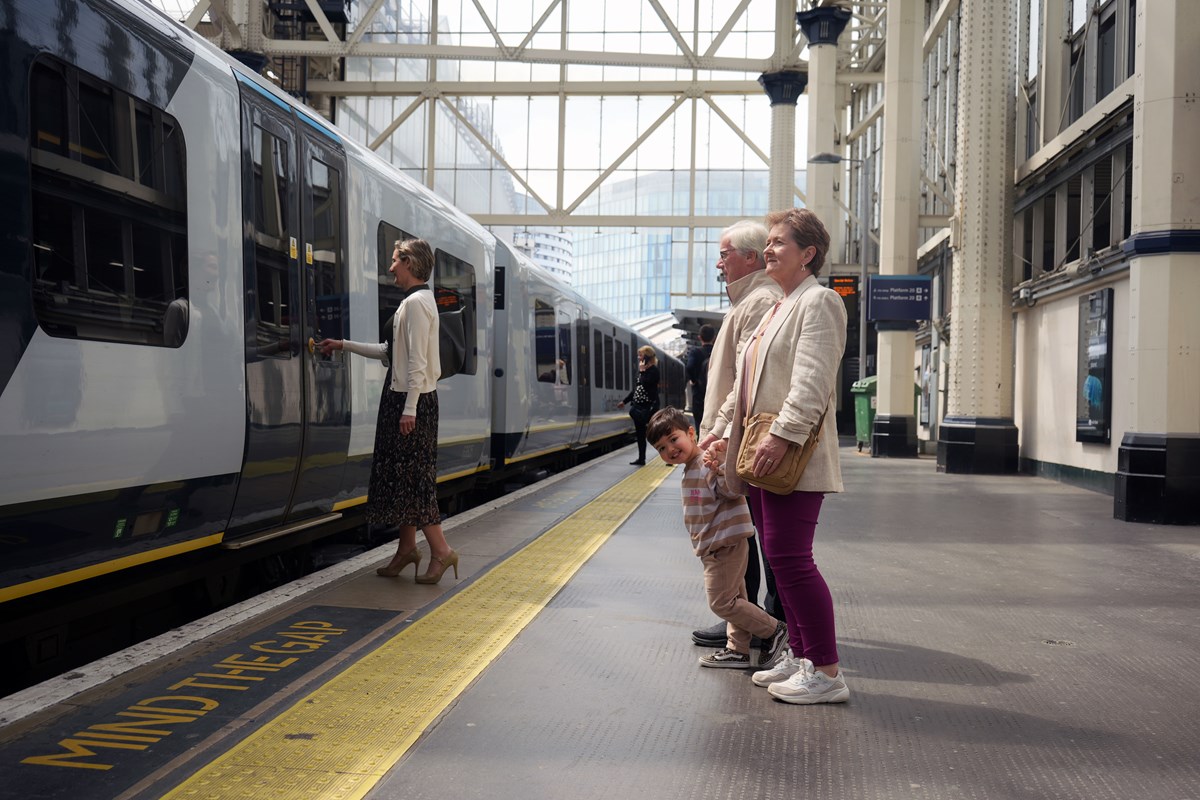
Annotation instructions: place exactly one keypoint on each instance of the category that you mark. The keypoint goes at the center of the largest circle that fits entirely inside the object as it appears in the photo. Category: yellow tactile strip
(341, 739)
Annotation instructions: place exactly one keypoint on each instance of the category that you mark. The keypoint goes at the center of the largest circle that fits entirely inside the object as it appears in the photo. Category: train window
(109, 232)
(454, 291)
(609, 366)
(328, 275)
(564, 349)
(543, 341)
(598, 349)
(623, 367)
(272, 219)
(390, 294)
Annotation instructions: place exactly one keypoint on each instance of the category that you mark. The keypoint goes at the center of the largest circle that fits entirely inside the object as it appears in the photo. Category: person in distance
(644, 398)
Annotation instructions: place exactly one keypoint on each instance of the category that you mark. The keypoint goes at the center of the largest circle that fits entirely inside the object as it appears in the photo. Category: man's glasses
(724, 254)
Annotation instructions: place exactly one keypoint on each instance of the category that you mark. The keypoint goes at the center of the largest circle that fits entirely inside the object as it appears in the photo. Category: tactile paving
(338, 741)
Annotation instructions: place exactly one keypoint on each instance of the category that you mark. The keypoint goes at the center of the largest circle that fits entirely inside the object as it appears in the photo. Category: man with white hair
(752, 295)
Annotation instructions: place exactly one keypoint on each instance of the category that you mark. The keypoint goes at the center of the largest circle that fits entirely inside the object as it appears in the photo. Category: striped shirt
(714, 516)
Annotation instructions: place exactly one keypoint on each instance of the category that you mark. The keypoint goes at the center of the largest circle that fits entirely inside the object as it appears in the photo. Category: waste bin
(864, 409)
(865, 404)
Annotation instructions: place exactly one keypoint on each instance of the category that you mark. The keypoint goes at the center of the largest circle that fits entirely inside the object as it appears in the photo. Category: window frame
(84, 301)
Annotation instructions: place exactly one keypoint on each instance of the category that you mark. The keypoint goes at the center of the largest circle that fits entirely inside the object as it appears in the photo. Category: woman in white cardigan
(789, 367)
(403, 487)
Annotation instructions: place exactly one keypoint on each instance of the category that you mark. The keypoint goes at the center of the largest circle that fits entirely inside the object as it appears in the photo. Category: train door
(286, 393)
(326, 310)
(583, 371)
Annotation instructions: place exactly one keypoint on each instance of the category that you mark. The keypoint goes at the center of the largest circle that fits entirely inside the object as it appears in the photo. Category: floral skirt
(403, 489)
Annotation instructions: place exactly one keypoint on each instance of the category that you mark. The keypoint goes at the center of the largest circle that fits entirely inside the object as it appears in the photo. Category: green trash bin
(864, 409)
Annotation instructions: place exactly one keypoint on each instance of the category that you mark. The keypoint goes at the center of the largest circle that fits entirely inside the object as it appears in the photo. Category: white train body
(176, 231)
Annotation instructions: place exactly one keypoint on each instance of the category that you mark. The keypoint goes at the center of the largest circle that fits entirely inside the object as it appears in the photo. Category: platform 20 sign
(902, 298)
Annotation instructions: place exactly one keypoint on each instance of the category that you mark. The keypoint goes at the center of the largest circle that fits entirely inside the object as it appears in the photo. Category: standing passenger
(644, 398)
(752, 294)
(790, 368)
(403, 489)
(697, 371)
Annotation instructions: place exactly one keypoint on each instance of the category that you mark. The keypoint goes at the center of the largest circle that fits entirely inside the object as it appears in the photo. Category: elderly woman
(644, 398)
(403, 487)
(789, 367)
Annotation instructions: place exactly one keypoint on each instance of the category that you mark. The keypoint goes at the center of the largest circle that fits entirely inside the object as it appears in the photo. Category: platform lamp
(864, 204)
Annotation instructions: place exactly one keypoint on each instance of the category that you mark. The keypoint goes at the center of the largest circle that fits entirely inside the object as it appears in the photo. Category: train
(178, 235)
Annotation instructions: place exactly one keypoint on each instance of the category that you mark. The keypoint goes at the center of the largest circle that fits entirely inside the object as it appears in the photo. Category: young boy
(719, 524)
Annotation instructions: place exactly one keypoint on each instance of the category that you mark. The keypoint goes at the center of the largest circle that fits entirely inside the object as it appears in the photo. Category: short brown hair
(664, 422)
(419, 256)
(807, 231)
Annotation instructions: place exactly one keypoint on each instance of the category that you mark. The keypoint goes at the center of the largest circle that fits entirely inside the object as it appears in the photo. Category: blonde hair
(419, 256)
(647, 351)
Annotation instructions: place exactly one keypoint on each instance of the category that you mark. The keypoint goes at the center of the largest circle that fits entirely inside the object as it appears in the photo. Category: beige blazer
(794, 376)
(752, 297)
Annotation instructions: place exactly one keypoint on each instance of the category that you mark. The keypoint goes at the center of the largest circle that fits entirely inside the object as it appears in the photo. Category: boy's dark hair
(664, 422)
(707, 333)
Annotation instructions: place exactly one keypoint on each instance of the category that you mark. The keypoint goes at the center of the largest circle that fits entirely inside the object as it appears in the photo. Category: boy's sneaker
(813, 687)
(786, 667)
(769, 648)
(729, 659)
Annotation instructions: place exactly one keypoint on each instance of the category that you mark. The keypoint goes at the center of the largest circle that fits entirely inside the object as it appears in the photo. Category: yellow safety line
(104, 568)
(339, 741)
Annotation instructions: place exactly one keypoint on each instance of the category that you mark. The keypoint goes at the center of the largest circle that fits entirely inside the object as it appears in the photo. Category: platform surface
(1003, 637)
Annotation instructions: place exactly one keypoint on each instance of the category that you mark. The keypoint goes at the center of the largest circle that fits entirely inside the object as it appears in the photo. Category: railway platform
(1003, 637)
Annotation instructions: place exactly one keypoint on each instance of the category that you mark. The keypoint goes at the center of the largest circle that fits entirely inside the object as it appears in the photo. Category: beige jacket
(794, 376)
(752, 297)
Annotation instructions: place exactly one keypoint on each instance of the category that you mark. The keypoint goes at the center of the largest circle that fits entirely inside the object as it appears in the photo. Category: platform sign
(898, 297)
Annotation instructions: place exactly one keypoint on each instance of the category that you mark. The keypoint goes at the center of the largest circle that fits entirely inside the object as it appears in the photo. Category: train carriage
(179, 234)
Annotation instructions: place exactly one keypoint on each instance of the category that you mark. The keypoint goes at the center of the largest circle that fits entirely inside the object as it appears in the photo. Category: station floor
(1003, 637)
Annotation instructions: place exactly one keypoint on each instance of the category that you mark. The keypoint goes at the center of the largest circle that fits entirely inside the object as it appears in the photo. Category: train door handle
(312, 346)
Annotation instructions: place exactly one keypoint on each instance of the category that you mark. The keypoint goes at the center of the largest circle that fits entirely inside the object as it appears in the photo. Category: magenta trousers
(787, 524)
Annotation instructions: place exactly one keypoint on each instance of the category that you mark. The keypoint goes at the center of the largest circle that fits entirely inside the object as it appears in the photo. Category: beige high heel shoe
(399, 562)
(451, 560)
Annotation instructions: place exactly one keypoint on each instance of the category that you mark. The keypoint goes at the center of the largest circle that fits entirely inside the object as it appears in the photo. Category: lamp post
(864, 207)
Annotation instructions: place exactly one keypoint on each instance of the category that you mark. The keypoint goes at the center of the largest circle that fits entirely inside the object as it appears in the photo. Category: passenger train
(177, 234)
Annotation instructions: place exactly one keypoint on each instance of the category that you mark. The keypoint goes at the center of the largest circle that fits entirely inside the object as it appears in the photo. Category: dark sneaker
(727, 659)
(770, 648)
(714, 636)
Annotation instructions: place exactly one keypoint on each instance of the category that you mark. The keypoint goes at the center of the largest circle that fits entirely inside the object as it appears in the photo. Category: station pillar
(784, 89)
(894, 433)
(822, 27)
(978, 434)
(1158, 463)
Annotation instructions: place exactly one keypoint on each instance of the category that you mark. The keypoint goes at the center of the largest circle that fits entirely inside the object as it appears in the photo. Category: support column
(1055, 72)
(978, 434)
(784, 88)
(822, 27)
(1158, 464)
(894, 433)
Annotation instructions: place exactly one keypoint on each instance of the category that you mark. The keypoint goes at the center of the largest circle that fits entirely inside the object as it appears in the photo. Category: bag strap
(753, 355)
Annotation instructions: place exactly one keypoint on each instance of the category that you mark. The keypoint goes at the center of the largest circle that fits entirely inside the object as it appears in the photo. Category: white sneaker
(813, 687)
(784, 668)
